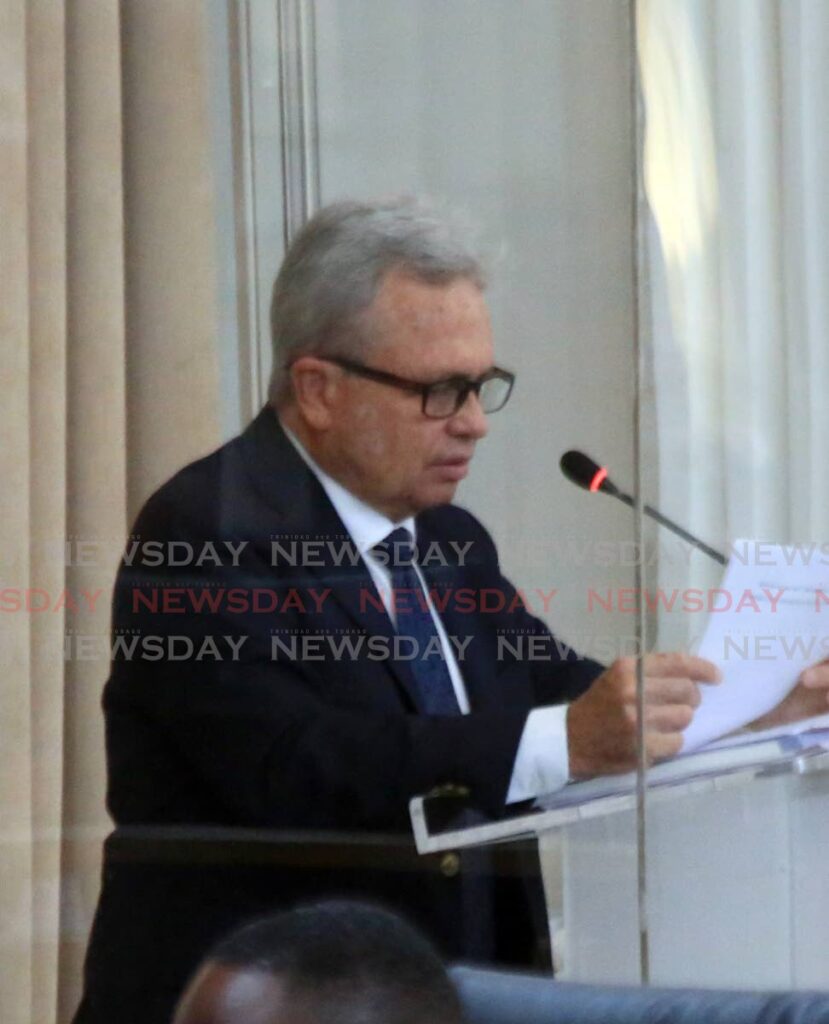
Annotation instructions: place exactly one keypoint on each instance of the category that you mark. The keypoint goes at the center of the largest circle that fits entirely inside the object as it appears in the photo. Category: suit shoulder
(454, 515)
(459, 524)
(188, 496)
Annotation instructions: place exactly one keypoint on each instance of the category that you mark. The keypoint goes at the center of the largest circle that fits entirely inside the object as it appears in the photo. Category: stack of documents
(773, 624)
(747, 750)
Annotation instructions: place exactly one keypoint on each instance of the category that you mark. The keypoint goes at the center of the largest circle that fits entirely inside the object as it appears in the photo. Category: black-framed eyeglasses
(442, 398)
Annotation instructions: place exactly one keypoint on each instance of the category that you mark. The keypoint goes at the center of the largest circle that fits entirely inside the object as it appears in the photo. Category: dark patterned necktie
(414, 620)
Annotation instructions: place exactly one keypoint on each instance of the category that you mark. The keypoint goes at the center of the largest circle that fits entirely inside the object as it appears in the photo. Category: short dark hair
(350, 963)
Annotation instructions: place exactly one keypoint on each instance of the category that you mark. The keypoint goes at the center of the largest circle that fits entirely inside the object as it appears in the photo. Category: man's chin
(437, 494)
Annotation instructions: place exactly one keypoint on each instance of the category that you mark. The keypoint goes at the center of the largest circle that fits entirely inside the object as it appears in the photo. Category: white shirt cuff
(542, 762)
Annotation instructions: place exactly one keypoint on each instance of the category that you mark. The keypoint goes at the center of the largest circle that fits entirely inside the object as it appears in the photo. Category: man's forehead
(443, 325)
(411, 300)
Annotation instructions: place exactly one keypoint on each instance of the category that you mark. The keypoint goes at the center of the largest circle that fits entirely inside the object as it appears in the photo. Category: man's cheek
(376, 446)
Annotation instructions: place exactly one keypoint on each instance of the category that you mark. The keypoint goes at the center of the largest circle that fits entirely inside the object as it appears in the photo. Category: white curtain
(736, 171)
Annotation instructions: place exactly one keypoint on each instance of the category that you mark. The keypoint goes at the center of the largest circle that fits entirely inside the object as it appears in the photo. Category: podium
(737, 876)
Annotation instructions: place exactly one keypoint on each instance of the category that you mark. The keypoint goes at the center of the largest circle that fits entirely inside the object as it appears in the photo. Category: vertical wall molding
(250, 355)
(298, 108)
(275, 160)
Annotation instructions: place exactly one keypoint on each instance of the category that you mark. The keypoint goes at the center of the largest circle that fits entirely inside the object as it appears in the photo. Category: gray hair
(334, 268)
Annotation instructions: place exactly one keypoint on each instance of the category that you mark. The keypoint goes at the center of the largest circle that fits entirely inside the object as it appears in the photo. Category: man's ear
(316, 386)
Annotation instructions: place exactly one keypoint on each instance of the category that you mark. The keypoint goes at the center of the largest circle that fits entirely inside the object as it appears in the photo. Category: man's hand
(601, 724)
(809, 697)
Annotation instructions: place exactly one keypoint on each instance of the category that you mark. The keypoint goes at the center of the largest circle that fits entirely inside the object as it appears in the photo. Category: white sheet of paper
(768, 620)
(816, 728)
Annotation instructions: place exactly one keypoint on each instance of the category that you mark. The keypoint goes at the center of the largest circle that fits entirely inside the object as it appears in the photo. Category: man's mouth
(454, 469)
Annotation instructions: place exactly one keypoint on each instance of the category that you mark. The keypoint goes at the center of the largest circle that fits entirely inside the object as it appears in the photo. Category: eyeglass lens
(445, 399)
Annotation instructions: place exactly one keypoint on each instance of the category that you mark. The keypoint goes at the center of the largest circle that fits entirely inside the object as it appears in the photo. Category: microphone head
(581, 470)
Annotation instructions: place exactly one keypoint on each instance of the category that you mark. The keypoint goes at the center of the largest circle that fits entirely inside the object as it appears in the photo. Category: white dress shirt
(541, 762)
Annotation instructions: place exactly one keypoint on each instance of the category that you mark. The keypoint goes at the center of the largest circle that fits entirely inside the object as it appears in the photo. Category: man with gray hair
(341, 656)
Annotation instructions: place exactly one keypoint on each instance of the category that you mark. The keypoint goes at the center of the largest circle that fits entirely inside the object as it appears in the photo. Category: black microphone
(581, 470)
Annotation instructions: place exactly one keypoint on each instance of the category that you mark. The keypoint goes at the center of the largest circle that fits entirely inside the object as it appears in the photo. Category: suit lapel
(304, 512)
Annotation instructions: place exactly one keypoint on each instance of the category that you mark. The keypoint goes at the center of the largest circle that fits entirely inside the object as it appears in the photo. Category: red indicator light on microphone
(598, 479)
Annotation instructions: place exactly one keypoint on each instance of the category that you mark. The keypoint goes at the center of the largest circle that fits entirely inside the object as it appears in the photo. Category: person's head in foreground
(330, 963)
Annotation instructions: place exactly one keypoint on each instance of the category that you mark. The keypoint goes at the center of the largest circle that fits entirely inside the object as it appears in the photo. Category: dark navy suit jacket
(288, 733)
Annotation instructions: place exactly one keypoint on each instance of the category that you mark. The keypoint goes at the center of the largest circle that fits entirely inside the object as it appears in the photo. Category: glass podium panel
(733, 289)
(505, 111)
(649, 181)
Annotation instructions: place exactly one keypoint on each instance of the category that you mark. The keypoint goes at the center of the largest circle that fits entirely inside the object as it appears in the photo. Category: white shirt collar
(365, 524)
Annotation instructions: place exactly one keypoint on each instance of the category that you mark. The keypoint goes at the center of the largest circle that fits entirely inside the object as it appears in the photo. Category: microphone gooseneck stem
(671, 525)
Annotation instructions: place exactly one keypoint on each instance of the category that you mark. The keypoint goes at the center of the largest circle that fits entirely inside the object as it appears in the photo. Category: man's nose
(470, 420)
